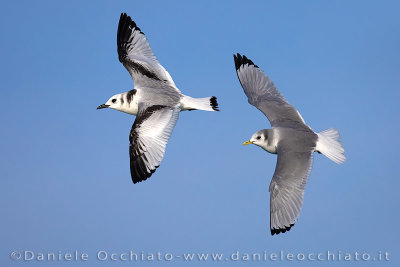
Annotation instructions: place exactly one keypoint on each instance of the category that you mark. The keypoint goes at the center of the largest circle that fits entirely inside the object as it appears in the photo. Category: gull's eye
(258, 137)
(114, 100)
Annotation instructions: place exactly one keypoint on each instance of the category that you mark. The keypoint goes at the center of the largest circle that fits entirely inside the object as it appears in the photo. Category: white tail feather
(206, 103)
(329, 144)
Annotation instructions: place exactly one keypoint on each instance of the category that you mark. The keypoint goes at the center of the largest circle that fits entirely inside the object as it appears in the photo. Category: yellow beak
(247, 143)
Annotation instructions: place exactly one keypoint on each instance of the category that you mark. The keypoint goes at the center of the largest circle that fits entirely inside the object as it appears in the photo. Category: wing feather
(263, 94)
(135, 53)
(287, 188)
(148, 139)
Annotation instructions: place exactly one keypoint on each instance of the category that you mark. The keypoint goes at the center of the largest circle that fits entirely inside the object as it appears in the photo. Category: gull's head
(115, 102)
(260, 138)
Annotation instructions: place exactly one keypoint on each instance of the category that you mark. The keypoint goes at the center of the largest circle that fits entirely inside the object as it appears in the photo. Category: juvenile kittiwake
(155, 100)
(291, 138)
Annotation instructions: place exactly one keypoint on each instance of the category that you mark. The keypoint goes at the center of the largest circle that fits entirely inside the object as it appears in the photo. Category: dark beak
(103, 106)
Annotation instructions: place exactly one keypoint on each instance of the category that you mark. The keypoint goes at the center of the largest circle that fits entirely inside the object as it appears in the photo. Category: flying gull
(155, 100)
(291, 138)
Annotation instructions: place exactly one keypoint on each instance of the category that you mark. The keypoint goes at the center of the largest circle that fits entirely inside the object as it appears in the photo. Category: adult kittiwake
(291, 138)
(155, 100)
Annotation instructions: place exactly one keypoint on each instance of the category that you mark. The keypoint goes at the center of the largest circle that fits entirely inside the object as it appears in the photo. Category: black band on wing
(126, 27)
(141, 69)
(139, 171)
(242, 60)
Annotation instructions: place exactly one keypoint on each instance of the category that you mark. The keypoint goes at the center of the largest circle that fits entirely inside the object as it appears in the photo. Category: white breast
(131, 108)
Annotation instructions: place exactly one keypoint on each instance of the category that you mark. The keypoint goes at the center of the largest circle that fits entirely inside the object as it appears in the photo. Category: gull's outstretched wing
(287, 188)
(148, 138)
(135, 54)
(262, 93)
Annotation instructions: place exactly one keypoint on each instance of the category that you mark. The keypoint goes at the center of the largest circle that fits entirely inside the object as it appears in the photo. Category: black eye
(114, 100)
(258, 137)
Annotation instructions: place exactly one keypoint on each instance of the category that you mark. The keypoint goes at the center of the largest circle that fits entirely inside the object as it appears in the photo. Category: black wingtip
(127, 20)
(125, 28)
(281, 230)
(214, 103)
(242, 60)
(138, 176)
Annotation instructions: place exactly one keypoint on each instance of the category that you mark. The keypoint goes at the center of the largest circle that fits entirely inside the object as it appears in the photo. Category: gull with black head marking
(155, 100)
(291, 138)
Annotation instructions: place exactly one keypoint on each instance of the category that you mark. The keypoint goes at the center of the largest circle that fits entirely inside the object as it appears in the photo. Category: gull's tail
(206, 103)
(329, 144)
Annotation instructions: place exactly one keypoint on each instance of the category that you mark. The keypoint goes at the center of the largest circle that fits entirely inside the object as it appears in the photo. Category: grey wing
(136, 55)
(287, 188)
(148, 138)
(262, 93)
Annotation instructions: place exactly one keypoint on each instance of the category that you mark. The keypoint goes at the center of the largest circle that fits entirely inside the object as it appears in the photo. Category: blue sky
(64, 168)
